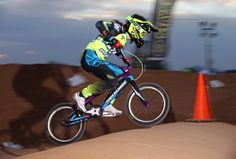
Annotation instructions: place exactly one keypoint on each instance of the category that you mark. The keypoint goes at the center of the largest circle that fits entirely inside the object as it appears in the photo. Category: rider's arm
(108, 29)
(119, 42)
(102, 26)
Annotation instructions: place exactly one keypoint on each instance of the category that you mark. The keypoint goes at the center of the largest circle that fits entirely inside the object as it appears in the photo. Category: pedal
(109, 114)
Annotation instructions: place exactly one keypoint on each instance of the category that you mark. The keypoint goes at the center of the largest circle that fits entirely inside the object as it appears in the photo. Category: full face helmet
(137, 26)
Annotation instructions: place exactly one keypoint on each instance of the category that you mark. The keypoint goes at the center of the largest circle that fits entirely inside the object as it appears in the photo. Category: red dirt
(29, 91)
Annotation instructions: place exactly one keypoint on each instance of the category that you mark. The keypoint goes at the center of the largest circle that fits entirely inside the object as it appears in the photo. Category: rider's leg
(104, 70)
(95, 88)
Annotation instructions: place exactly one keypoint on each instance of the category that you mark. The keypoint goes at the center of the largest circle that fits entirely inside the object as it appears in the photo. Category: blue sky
(33, 31)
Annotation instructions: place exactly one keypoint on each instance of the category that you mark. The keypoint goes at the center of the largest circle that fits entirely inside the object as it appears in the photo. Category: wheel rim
(145, 108)
(66, 130)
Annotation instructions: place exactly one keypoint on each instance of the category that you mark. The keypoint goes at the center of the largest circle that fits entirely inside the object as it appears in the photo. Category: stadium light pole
(207, 31)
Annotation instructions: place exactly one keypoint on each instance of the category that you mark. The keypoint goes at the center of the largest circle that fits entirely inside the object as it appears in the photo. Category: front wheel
(58, 129)
(151, 112)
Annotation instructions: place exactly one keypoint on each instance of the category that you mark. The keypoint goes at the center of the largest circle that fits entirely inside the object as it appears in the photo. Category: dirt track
(167, 141)
(29, 91)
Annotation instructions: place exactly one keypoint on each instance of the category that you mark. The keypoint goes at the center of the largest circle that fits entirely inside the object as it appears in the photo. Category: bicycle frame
(125, 79)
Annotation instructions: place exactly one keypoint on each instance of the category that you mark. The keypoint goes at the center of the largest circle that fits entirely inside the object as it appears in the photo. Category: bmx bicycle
(146, 105)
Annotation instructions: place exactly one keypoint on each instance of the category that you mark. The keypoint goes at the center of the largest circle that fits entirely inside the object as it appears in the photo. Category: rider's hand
(116, 43)
(118, 46)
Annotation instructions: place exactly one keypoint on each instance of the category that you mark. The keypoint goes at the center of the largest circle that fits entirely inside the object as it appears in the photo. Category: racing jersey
(104, 48)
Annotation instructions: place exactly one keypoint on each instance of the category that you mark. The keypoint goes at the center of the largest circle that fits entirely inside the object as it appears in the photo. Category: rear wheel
(57, 128)
(155, 108)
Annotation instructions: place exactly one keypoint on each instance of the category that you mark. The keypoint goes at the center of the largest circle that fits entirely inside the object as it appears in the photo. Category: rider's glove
(118, 46)
(116, 43)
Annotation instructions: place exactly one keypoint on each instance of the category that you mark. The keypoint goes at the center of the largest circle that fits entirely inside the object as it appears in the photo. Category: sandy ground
(10, 153)
(181, 140)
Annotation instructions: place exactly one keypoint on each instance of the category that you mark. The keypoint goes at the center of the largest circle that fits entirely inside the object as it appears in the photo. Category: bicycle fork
(139, 94)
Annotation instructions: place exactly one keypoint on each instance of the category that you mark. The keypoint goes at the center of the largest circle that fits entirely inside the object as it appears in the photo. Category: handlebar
(125, 59)
(129, 67)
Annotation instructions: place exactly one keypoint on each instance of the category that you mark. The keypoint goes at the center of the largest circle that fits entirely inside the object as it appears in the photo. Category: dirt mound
(175, 140)
(29, 91)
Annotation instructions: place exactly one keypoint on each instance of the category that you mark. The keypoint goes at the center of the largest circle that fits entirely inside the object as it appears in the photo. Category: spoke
(141, 112)
(66, 133)
(58, 129)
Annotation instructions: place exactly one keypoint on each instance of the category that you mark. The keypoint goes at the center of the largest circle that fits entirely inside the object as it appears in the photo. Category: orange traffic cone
(202, 112)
